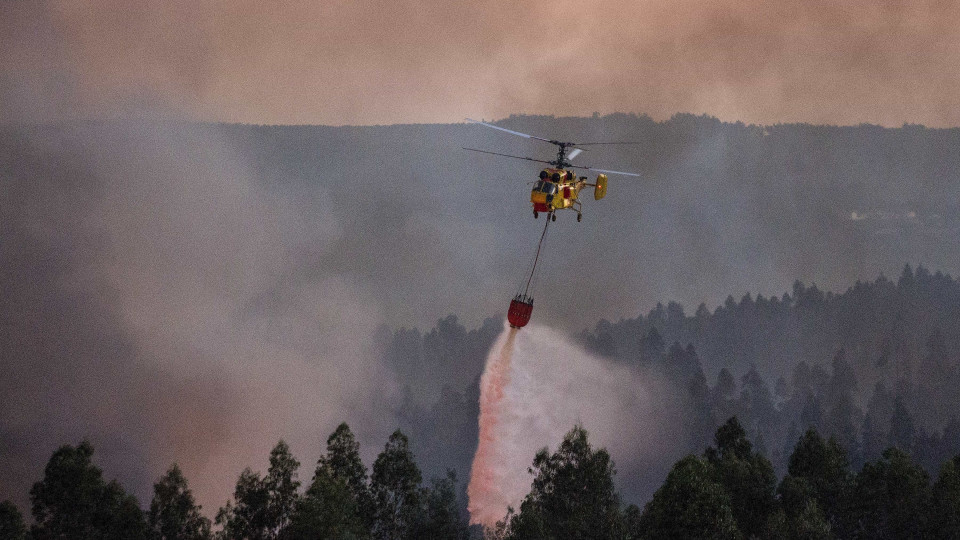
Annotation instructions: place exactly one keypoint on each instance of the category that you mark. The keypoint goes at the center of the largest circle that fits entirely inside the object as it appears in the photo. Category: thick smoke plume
(163, 302)
(536, 386)
(323, 62)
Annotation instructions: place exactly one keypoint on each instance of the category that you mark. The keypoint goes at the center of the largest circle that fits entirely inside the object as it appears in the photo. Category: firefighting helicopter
(556, 189)
(559, 188)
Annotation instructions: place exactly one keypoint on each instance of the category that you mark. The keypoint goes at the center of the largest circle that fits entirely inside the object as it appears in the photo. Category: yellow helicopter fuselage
(559, 189)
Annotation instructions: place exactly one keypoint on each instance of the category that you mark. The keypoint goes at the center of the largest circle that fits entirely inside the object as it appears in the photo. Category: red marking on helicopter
(556, 189)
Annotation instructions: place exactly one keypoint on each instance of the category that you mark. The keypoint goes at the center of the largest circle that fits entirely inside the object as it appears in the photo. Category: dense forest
(729, 492)
(874, 366)
(847, 398)
(865, 443)
(183, 292)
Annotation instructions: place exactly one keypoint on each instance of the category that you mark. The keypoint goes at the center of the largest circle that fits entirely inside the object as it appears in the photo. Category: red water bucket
(521, 307)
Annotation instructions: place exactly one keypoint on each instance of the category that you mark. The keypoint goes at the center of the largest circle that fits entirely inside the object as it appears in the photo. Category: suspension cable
(536, 258)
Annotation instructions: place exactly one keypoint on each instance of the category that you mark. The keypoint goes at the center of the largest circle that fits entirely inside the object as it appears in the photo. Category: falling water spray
(536, 386)
(483, 491)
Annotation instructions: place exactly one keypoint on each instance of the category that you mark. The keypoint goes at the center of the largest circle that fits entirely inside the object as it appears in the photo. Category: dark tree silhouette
(823, 468)
(327, 510)
(73, 501)
(572, 495)
(246, 517)
(440, 516)
(690, 504)
(745, 475)
(799, 515)
(397, 494)
(338, 503)
(173, 513)
(890, 498)
(902, 432)
(944, 512)
(262, 507)
(12, 526)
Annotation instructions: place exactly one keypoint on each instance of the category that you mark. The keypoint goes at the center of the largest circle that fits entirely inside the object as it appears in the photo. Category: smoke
(165, 303)
(536, 386)
(346, 63)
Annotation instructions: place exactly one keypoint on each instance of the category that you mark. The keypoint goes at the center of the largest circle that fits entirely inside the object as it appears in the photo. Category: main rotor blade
(551, 163)
(613, 142)
(551, 141)
(574, 153)
(524, 135)
(601, 170)
(508, 155)
(614, 172)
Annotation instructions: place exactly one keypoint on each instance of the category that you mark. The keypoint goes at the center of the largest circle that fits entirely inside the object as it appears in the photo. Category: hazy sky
(403, 61)
(172, 302)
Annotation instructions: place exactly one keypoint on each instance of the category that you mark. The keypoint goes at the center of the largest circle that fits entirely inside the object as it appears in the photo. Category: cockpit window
(544, 186)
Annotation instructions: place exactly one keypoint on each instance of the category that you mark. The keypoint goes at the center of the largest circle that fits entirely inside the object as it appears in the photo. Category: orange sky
(413, 61)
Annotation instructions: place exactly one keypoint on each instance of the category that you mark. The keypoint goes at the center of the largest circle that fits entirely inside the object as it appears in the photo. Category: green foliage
(440, 515)
(282, 486)
(395, 484)
(799, 515)
(12, 526)
(823, 466)
(73, 501)
(690, 504)
(246, 518)
(173, 513)
(727, 494)
(572, 496)
(327, 510)
(343, 462)
(944, 514)
(263, 507)
(890, 499)
(338, 503)
(631, 522)
(747, 476)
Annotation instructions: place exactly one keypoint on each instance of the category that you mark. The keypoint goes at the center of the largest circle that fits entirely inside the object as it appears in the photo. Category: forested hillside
(191, 292)
(874, 366)
(877, 363)
(720, 208)
(782, 369)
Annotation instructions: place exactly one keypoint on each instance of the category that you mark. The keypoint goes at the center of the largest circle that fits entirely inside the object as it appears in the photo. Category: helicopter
(558, 188)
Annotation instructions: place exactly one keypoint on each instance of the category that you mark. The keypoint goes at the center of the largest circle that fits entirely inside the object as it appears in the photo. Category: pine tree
(337, 503)
(799, 516)
(73, 501)
(890, 498)
(327, 510)
(823, 467)
(282, 485)
(747, 477)
(944, 513)
(689, 504)
(572, 495)
(12, 526)
(247, 516)
(263, 507)
(173, 514)
(395, 484)
(440, 517)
